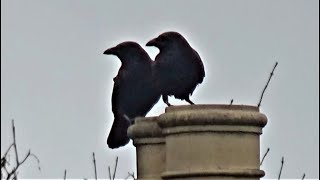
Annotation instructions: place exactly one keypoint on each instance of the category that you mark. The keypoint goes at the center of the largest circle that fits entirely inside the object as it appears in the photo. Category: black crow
(178, 68)
(133, 93)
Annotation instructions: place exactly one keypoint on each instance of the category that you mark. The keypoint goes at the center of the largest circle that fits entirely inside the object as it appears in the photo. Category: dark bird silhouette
(178, 68)
(133, 94)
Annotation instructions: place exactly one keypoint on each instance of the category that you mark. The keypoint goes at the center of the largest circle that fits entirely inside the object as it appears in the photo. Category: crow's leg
(189, 101)
(165, 100)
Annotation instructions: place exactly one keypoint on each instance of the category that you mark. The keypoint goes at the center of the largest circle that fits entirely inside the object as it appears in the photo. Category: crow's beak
(152, 42)
(112, 51)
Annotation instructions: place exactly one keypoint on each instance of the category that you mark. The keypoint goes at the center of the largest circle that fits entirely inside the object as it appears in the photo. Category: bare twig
(14, 142)
(109, 172)
(282, 162)
(264, 156)
(37, 159)
(271, 74)
(4, 162)
(3, 158)
(115, 169)
(24, 159)
(95, 166)
(6, 170)
(15, 175)
(130, 175)
(14, 172)
(65, 174)
(304, 175)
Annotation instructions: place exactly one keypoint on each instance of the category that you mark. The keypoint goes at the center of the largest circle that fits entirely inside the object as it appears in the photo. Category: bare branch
(14, 142)
(304, 175)
(130, 175)
(282, 162)
(15, 175)
(271, 74)
(115, 169)
(37, 159)
(6, 153)
(264, 156)
(3, 162)
(95, 166)
(5, 168)
(65, 174)
(109, 172)
(14, 172)
(24, 159)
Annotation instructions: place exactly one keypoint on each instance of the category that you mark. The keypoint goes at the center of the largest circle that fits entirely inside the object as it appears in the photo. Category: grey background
(57, 84)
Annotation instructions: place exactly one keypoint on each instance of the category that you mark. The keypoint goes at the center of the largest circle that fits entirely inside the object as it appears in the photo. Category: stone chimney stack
(200, 142)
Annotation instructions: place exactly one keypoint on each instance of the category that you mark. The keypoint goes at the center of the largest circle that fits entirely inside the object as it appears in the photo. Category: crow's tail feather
(118, 134)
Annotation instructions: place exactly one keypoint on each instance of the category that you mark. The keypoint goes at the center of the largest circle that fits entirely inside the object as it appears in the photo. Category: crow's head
(121, 49)
(128, 51)
(167, 40)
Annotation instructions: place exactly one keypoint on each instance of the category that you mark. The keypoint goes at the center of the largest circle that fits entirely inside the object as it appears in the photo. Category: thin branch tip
(282, 162)
(264, 156)
(264, 89)
(95, 166)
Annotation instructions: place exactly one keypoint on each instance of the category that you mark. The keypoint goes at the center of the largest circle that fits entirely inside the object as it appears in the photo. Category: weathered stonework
(200, 142)
(150, 150)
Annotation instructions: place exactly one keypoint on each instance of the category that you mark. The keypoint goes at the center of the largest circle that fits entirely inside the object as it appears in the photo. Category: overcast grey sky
(57, 84)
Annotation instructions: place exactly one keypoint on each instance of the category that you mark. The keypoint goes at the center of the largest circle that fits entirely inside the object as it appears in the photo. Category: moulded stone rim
(149, 141)
(205, 173)
(145, 127)
(214, 129)
(212, 106)
(218, 116)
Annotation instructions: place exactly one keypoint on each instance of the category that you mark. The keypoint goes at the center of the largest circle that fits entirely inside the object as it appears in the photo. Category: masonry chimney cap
(145, 127)
(212, 114)
(212, 106)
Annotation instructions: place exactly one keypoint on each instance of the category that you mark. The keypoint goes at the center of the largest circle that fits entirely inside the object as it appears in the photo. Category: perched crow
(133, 93)
(178, 68)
